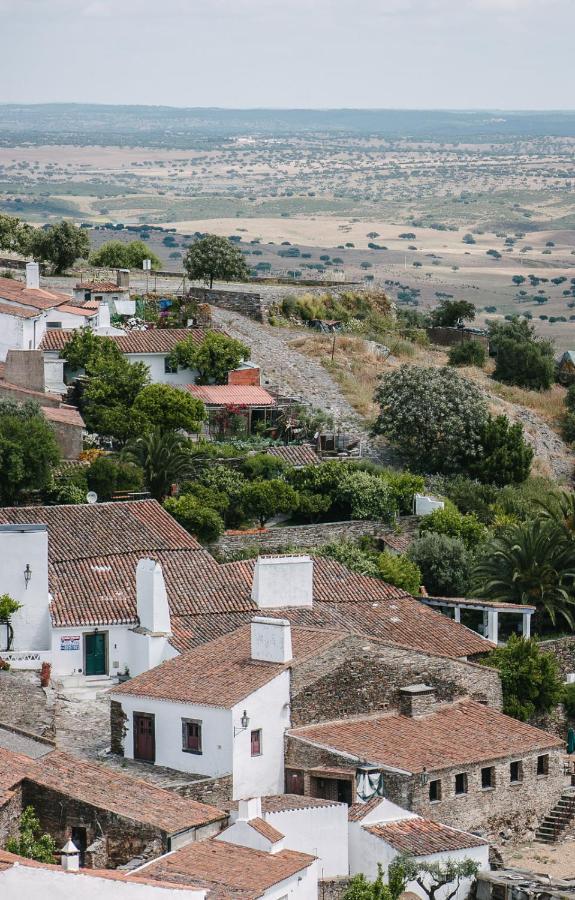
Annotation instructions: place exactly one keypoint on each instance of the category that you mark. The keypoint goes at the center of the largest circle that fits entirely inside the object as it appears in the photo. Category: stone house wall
(564, 651)
(10, 813)
(243, 302)
(124, 837)
(70, 439)
(447, 337)
(348, 679)
(213, 791)
(333, 888)
(118, 720)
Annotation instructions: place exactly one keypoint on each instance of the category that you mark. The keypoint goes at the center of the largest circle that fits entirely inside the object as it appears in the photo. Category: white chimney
(70, 857)
(32, 275)
(271, 640)
(283, 581)
(151, 597)
(104, 315)
(249, 809)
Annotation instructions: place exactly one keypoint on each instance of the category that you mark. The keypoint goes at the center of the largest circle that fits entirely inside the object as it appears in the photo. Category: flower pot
(45, 673)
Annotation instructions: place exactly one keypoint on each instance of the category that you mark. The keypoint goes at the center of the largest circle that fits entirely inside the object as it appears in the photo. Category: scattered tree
(169, 408)
(444, 562)
(530, 678)
(214, 257)
(14, 234)
(28, 450)
(120, 255)
(506, 457)
(163, 458)
(212, 358)
(60, 245)
(264, 499)
(452, 313)
(433, 877)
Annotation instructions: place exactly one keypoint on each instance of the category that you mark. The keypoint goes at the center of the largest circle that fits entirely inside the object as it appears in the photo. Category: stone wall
(243, 302)
(447, 337)
(10, 812)
(333, 888)
(271, 540)
(347, 679)
(213, 791)
(117, 727)
(25, 368)
(124, 838)
(564, 651)
(70, 438)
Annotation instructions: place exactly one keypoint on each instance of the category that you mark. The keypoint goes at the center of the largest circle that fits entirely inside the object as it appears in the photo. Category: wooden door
(96, 654)
(144, 737)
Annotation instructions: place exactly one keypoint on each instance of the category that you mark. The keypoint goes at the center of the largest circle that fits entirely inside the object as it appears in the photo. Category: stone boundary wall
(333, 888)
(245, 303)
(214, 791)
(564, 651)
(271, 540)
(447, 337)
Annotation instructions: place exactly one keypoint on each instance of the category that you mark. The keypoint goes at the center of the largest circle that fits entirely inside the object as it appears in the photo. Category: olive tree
(214, 257)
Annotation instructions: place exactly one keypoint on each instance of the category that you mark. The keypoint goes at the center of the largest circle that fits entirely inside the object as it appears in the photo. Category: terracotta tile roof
(460, 733)
(296, 454)
(102, 287)
(115, 792)
(398, 542)
(266, 830)
(16, 291)
(231, 394)
(18, 311)
(286, 802)
(68, 415)
(13, 768)
(154, 340)
(421, 837)
(87, 312)
(359, 811)
(222, 672)
(218, 864)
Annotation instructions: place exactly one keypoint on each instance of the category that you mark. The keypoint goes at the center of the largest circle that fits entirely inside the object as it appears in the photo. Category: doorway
(95, 654)
(80, 840)
(144, 737)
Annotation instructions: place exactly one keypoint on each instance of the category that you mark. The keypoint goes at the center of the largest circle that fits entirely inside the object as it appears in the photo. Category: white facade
(22, 881)
(61, 318)
(226, 745)
(156, 363)
(69, 650)
(17, 333)
(24, 567)
(321, 831)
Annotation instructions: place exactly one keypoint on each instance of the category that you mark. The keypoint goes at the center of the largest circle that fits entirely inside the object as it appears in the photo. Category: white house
(115, 294)
(379, 831)
(220, 710)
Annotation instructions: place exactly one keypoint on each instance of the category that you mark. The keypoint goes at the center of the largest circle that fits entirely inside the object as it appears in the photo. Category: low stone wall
(272, 540)
(447, 337)
(214, 791)
(243, 302)
(564, 651)
(333, 888)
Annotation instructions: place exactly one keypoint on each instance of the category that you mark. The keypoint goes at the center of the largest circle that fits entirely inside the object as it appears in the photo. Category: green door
(96, 654)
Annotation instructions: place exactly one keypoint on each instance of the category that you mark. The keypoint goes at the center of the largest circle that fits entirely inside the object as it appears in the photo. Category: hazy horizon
(508, 55)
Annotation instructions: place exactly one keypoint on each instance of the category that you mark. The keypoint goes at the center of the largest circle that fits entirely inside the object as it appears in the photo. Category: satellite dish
(92, 497)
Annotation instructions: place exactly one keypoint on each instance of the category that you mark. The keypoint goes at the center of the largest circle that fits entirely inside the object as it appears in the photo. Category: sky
(418, 54)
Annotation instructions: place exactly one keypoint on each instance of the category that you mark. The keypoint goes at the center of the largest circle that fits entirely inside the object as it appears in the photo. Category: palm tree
(164, 459)
(530, 563)
(560, 507)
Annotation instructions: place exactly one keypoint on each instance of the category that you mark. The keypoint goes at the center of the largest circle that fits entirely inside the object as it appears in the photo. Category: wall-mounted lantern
(244, 722)
(27, 575)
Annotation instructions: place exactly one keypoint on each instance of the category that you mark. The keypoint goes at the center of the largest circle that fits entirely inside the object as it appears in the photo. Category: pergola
(490, 610)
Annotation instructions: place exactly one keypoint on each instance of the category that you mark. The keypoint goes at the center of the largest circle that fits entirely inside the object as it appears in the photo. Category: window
(515, 772)
(53, 324)
(461, 783)
(435, 791)
(191, 736)
(543, 765)
(256, 742)
(167, 367)
(488, 778)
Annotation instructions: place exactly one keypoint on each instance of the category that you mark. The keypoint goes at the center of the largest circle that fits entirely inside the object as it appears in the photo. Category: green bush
(451, 522)
(444, 562)
(353, 557)
(108, 476)
(505, 457)
(201, 521)
(529, 678)
(367, 496)
(264, 499)
(263, 466)
(468, 495)
(569, 700)
(467, 353)
(400, 571)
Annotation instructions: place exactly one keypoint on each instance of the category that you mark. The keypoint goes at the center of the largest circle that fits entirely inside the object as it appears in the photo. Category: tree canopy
(530, 678)
(14, 234)
(28, 450)
(452, 312)
(215, 258)
(169, 408)
(121, 255)
(60, 245)
(212, 358)
(164, 459)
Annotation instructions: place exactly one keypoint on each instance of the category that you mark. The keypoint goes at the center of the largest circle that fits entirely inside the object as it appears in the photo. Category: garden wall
(447, 337)
(243, 302)
(272, 540)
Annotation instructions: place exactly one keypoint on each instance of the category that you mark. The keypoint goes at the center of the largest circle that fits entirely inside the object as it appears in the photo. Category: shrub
(505, 457)
(523, 364)
(201, 521)
(452, 312)
(265, 499)
(367, 496)
(31, 842)
(444, 562)
(434, 417)
(451, 522)
(352, 556)
(311, 507)
(467, 353)
(106, 476)
(569, 700)
(529, 678)
(263, 466)
(468, 495)
(400, 571)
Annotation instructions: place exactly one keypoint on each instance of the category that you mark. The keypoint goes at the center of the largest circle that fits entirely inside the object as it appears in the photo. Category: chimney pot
(70, 857)
(417, 700)
(282, 582)
(151, 597)
(271, 640)
(32, 275)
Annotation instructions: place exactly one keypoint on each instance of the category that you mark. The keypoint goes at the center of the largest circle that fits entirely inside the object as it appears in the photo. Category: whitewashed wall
(22, 881)
(217, 736)
(71, 661)
(320, 831)
(19, 334)
(69, 320)
(268, 709)
(20, 548)
(301, 886)
(155, 363)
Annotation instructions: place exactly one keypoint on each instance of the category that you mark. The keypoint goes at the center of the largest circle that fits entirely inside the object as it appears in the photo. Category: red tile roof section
(101, 287)
(287, 802)
(422, 837)
(219, 864)
(231, 394)
(16, 291)
(103, 788)
(266, 830)
(222, 672)
(85, 311)
(18, 311)
(67, 415)
(154, 340)
(460, 733)
(296, 454)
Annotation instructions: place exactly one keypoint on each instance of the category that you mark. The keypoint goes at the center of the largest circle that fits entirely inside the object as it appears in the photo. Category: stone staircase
(555, 822)
(80, 688)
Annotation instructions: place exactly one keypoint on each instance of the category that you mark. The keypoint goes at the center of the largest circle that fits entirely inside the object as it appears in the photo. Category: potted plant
(8, 606)
(124, 676)
(45, 672)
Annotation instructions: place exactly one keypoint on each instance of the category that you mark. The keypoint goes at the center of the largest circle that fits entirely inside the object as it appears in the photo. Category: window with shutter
(257, 742)
(191, 736)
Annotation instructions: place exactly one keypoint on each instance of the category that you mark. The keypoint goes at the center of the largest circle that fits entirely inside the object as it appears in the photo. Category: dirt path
(293, 373)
